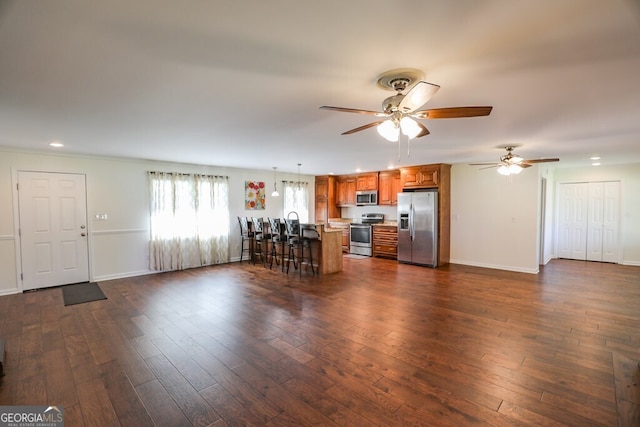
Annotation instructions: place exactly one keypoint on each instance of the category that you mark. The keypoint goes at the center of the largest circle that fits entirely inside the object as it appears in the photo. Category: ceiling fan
(511, 163)
(400, 111)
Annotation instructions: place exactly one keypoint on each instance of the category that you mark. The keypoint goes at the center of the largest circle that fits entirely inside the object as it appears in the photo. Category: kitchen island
(327, 250)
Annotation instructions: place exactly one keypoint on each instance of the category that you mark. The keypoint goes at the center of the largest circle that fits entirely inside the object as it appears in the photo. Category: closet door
(595, 221)
(611, 222)
(572, 226)
(589, 221)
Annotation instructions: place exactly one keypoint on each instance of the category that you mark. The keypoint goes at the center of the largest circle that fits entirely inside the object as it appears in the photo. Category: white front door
(53, 229)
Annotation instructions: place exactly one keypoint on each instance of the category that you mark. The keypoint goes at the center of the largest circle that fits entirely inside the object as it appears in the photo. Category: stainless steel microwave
(366, 198)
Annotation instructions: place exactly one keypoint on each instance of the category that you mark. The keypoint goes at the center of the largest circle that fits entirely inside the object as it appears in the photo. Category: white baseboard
(496, 267)
(631, 263)
(122, 275)
(9, 291)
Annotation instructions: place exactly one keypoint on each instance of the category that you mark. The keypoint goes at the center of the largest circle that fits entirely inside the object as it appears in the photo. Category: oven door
(360, 240)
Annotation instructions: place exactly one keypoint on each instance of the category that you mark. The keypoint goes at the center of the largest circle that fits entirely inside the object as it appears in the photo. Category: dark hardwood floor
(381, 343)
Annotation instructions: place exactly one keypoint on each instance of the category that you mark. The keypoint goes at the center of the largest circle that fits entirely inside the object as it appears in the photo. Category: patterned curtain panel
(189, 220)
(296, 199)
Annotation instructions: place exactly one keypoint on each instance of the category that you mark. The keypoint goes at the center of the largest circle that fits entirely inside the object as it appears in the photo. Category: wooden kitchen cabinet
(346, 191)
(346, 240)
(325, 199)
(367, 181)
(385, 241)
(388, 188)
(427, 176)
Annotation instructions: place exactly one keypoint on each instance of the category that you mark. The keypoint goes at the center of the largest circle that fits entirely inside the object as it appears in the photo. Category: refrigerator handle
(411, 221)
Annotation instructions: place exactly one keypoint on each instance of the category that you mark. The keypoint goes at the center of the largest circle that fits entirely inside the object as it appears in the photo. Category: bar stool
(309, 234)
(298, 246)
(278, 240)
(261, 239)
(245, 235)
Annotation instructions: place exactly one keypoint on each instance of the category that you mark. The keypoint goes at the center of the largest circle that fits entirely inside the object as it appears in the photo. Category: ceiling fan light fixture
(409, 127)
(516, 159)
(504, 170)
(389, 130)
(515, 169)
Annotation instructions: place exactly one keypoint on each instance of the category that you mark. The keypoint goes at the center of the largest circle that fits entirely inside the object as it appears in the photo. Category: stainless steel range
(360, 241)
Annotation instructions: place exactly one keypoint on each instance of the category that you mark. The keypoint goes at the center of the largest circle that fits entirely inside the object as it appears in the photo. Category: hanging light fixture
(275, 186)
(510, 163)
(299, 183)
(509, 169)
(390, 129)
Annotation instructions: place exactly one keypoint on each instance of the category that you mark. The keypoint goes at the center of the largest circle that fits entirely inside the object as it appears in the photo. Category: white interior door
(595, 222)
(53, 218)
(589, 221)
(572, 224)
(611, 222)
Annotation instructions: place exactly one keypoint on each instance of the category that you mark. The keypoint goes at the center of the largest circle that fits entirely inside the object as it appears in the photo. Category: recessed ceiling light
(594, 158)
(56, 144)
(595, 164)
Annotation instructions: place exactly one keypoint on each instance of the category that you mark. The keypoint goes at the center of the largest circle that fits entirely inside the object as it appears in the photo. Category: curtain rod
(295, 182)
(188, 174)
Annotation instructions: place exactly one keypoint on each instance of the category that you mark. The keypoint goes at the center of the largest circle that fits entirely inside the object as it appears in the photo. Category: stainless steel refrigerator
(418, 227)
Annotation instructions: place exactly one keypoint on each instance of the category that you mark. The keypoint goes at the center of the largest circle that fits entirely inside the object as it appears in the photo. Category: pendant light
(275, 187)
(299, 183)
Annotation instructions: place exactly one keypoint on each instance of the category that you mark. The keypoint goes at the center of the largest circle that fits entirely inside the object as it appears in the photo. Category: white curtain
(189, 220)
(296, 198)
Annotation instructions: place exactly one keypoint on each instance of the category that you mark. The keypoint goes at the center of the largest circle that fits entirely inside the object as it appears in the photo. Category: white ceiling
(239, 83)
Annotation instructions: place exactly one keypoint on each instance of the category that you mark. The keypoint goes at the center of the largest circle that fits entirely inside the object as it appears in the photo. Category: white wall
(629, 177)
(495, 219)
(118, 187)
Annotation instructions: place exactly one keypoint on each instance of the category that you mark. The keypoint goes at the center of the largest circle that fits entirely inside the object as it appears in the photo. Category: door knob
(83, 234)
(83, 227)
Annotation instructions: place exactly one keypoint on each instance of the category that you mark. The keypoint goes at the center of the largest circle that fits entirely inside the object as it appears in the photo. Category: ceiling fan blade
(423, 130)
(540, 161)
(452, 112)
(484, 164)
(495, 165)
(354, 110)
(417, 96)
(358, 129)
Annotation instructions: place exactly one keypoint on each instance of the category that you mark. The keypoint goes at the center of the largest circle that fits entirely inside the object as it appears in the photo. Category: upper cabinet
(425, 176)
(367, 181)
(346, 190)
(388, 187)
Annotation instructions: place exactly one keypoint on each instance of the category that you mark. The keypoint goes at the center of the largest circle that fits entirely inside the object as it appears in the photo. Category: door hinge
(21, 276)
(18, 186)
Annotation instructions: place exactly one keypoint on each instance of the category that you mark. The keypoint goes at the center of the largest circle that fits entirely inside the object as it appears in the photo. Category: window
(189, 220)
(296, 199)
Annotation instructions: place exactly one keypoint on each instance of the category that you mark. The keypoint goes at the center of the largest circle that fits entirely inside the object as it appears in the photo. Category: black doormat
(82, 292)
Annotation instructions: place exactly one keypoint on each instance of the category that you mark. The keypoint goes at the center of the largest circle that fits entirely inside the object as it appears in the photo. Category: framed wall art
(254, 195)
